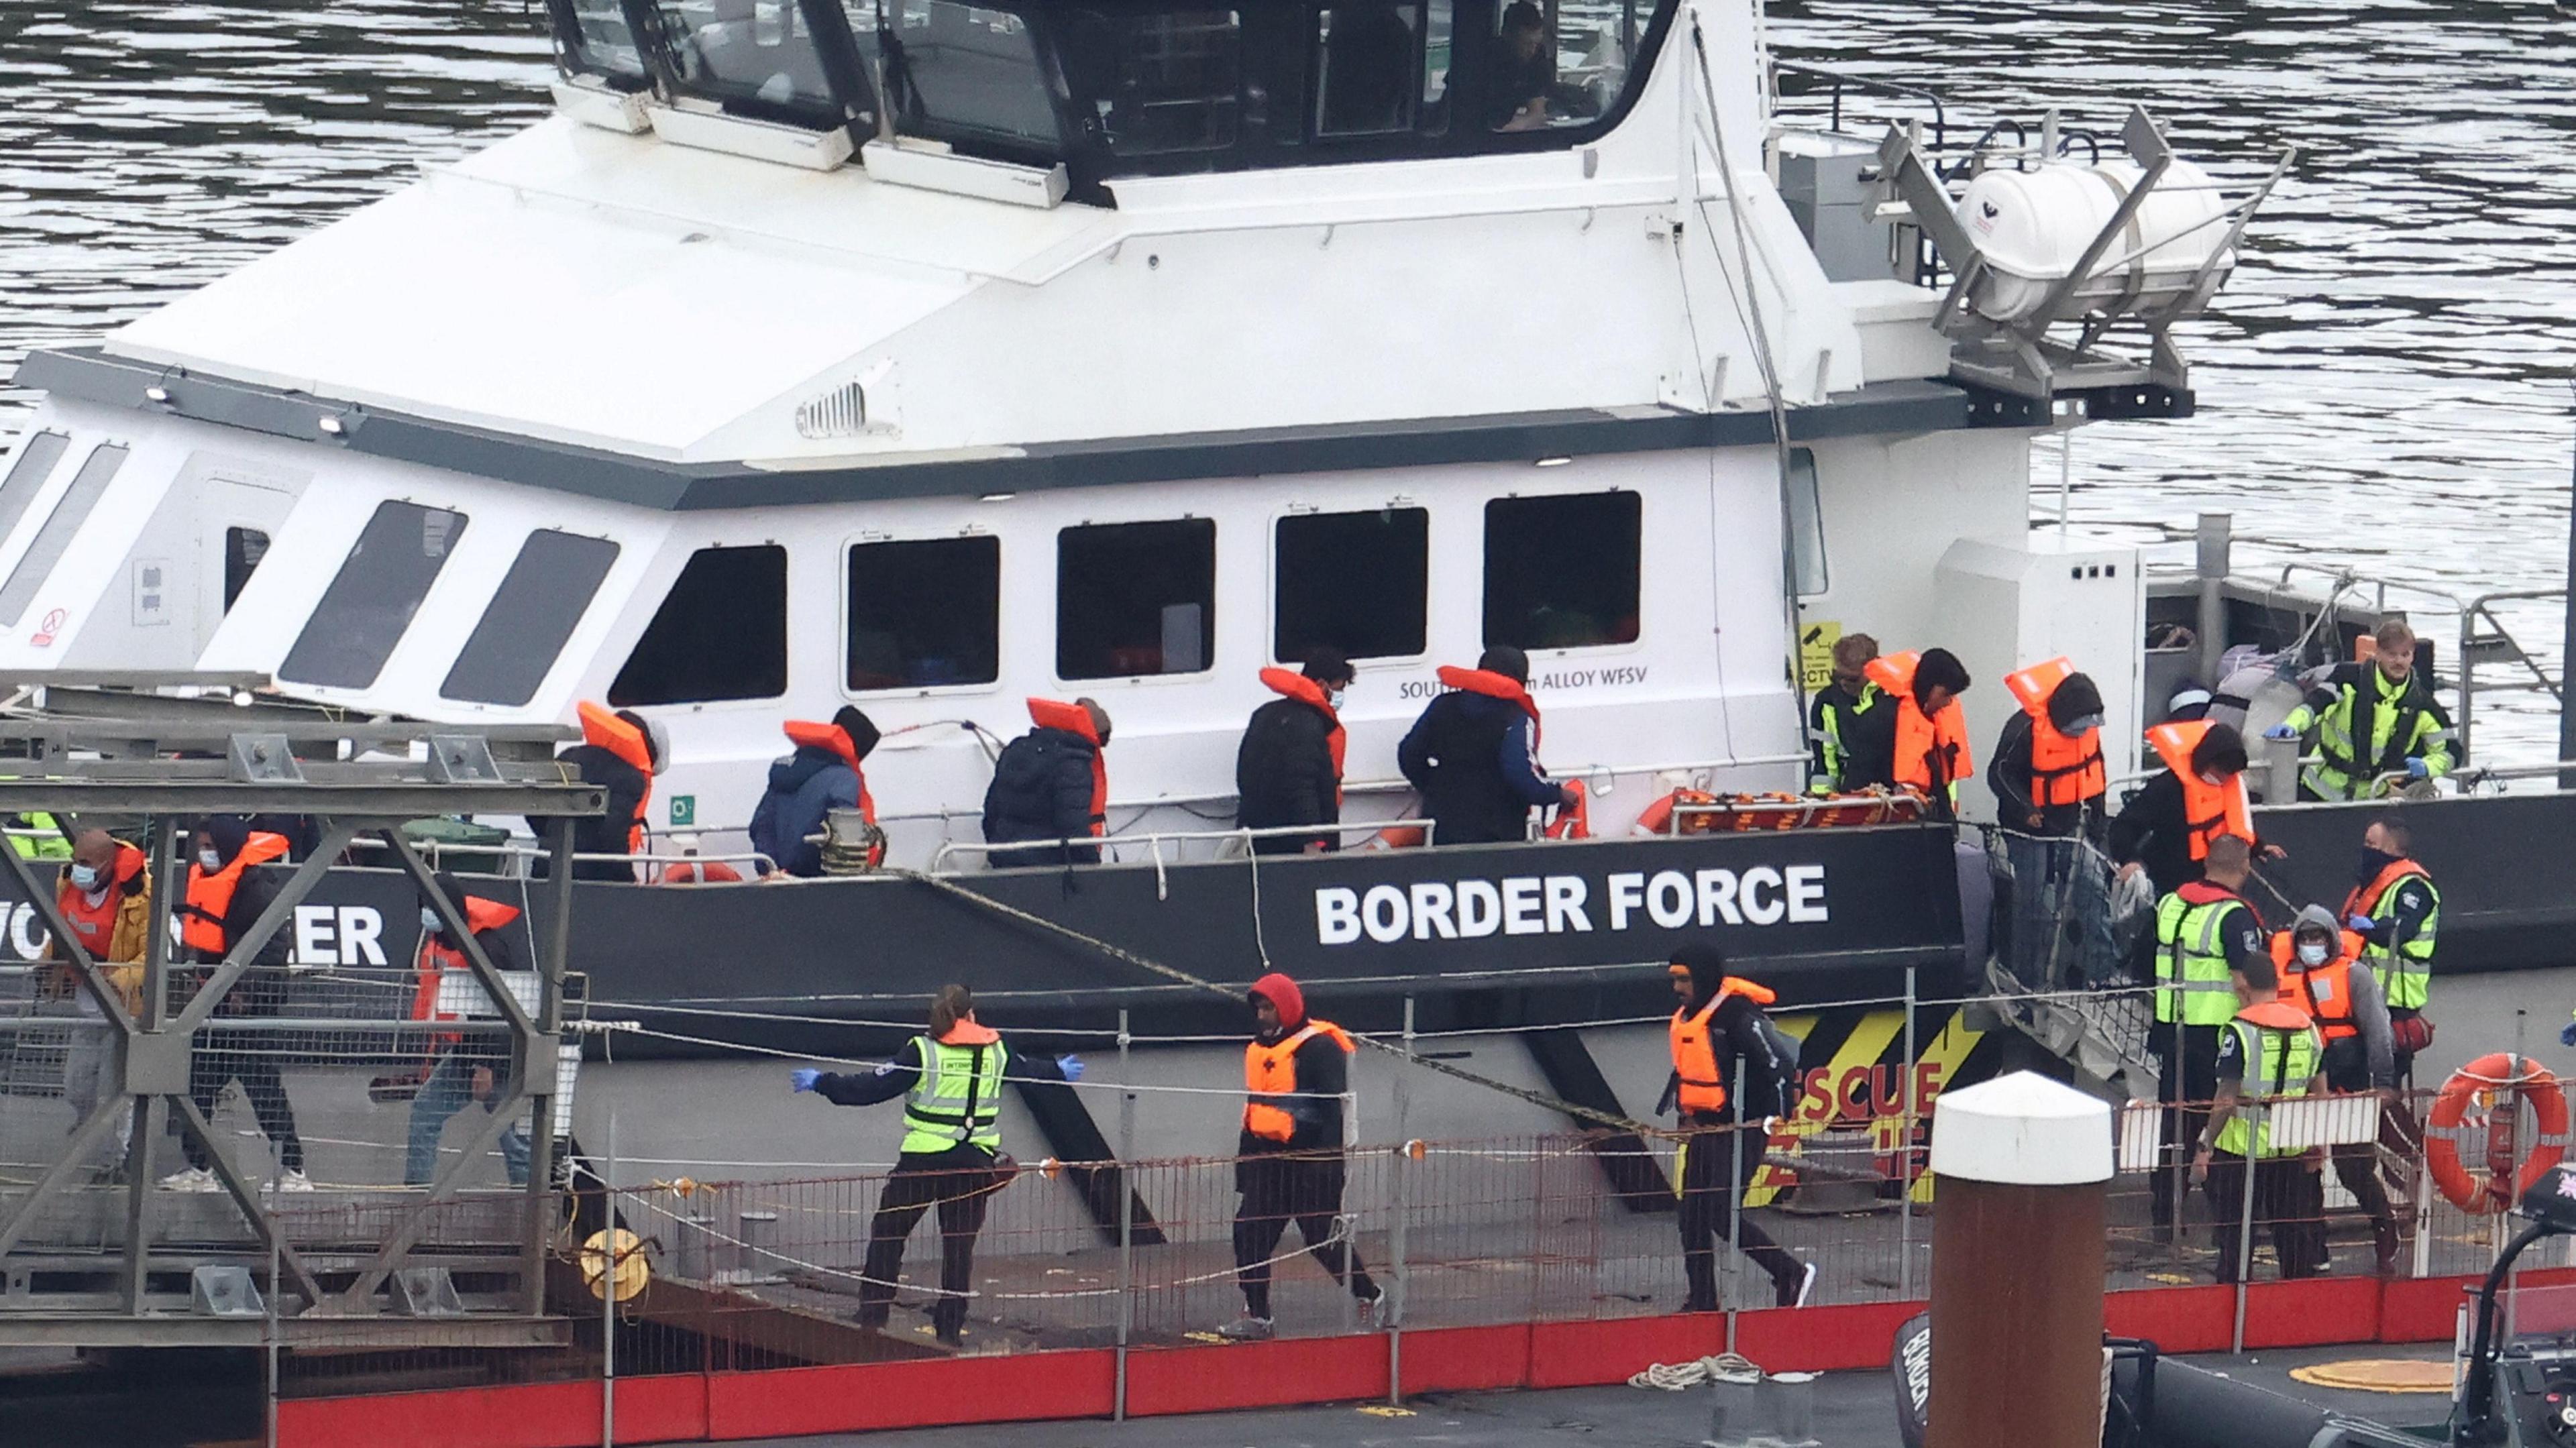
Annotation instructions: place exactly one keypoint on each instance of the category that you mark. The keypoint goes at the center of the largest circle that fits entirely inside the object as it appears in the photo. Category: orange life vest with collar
(1921, 738)
(1306, 691)
(834, 740)
(1695, 1052)
(1272, 1071)
(2324, 992)
(1075, 720)
(2209, 810)
(1493, 686)
(436, 958)
(201, 918)
(2364, 900)
(600, 726)
(2064, 769)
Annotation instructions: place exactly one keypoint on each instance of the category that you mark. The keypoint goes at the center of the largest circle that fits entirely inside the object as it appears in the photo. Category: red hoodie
(1284, 997)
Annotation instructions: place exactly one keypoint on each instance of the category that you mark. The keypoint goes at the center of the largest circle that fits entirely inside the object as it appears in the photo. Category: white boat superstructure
(1129, 350)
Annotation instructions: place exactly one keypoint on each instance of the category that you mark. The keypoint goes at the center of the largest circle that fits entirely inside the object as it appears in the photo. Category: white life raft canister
(2032, 228)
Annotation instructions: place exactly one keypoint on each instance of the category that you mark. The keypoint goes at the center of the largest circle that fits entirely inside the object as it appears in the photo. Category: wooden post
(2023, 1164)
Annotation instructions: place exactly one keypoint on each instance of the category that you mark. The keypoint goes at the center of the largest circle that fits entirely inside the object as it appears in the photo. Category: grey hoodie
(2369, 1009)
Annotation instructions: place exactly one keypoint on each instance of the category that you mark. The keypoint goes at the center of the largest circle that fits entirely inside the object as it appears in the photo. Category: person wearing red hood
(1289, 1165)
(1289, 768)
(1717, 1025)
(1050, 784)
(951, 1081)
(1473, 755)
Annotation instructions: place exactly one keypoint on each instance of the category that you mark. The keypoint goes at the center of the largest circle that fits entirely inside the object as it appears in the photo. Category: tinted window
(598, 39)
(1565, 71)
(925, 613)
(752, 56)
(955, 69)
(70, 511)
(364, 612)
(1367, 77)
(541, 599)
(27, 474)
(1561, 572)
(243, 549)
(1163, 81)
(1135, 598)
(1806, 523)
(721, 633)
(1352, 581)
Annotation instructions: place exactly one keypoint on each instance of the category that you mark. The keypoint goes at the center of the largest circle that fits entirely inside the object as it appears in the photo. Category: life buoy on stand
(2465, 1108)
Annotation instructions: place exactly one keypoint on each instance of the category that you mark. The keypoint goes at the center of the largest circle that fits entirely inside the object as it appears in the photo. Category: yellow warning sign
(1816, 639)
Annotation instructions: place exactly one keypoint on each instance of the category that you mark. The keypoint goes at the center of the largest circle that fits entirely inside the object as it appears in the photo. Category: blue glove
(804, 1077)
(2567, 1034)
(2416, 768)
(2280, 731)
(2359, 924)
(1071, 1066)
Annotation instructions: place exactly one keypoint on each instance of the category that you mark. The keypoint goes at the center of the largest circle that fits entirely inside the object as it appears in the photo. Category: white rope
(1676, 1377)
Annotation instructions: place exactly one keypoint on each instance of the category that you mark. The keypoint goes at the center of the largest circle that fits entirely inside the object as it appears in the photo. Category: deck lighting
(330, 425)
(997, 497)
(157, 394)
(1554, 462)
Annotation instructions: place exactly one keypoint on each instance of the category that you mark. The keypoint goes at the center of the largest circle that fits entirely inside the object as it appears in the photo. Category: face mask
(2372, 862)
(429, 920)
(85, 877)
(2083, 724)
(209, 861)
(1334, 699)
(2312, 954)
(2212, 779)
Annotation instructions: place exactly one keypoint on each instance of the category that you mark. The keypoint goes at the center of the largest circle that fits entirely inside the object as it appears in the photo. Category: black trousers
(1281, 1189)
(2186, 1093)
(960, 1183)
(221, 1060)
(1715, 1166)
(2288, 1197)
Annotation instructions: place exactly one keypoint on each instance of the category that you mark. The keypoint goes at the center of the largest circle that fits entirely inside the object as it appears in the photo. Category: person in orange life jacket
(2209, 917)
(465, 1065)
(2165, 828)
(1717, 1025)
(620, 752)
(824, 774)
(2289, 1191)
(1932, 752)
(226, 894)
(1050, 784)
(2321, 972)
(1288, 770)
(2048, 780)
(105, 895)
(1290, 1165)
(1473, 755)
(951, 1147)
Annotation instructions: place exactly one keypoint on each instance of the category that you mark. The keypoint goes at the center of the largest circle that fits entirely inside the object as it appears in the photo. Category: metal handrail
(1841, 78)
(939, 859)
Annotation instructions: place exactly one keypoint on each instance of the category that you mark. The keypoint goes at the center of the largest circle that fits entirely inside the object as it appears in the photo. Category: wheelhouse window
(243, 550)
(1356, 582)
(1135, 598)
(1561, 572)
(370, 602)
(1162, 81)
(721, 633)
(756, 58)
(70, 511)
(533, 613)
(1806, 524)
(925, 613)
(27, 474)
(1553, 67)
(594, 37)
(959, 72)
(1374, 69)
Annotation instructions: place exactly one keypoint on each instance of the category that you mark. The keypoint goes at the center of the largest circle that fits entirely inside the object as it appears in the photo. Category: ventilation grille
(841, 412)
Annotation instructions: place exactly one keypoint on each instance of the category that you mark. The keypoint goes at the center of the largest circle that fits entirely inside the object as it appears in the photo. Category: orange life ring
(2471, 1089)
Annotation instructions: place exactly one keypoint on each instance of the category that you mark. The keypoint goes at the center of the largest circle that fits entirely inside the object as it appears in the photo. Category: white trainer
(294, 1181)
(194, 1179)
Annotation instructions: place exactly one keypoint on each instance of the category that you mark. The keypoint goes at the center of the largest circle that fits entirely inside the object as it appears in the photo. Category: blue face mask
(85, 877)
(429, 920)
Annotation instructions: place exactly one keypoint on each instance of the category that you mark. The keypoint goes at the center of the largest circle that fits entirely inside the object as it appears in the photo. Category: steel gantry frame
(146, 1076)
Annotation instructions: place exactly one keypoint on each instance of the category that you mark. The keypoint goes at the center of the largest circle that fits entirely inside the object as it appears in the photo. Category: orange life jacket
(601, 726)
(1075, 720)
(2209, 810)
(2275, 1015)
(833, 739)
(437, 957)
(2064, 769)
(96, 924)
(201, 919)
(1307, 691)
(1920, 739)
(2324, 992)
(1695, 1053)
(1493, 686)
(1272, 1071)
(2364, 900)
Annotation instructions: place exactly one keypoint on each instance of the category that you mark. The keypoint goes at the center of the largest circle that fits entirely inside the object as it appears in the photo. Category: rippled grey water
(2385, 383)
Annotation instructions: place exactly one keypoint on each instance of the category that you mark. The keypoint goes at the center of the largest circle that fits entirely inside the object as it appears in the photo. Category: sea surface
(2384, 384)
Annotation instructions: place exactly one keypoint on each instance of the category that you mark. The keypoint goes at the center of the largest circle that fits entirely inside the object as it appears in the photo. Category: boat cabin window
(594, 37)
(1135, 598)
(925, 613)
(1561, 572)
(1352, 581)
(1552, 68)
(371, 600)
(27, 474)
(243, 550)
(755, 58)
(70, 511)
(1160, 81)
(1806, 524)
(1380, 68)
(960, 73)
(721, 633)
(531, 616)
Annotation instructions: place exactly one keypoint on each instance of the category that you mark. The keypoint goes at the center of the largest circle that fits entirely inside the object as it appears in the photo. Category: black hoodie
(1735, 1034)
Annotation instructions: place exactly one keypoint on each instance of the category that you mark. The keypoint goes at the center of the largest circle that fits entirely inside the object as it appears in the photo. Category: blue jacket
(803, 787)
